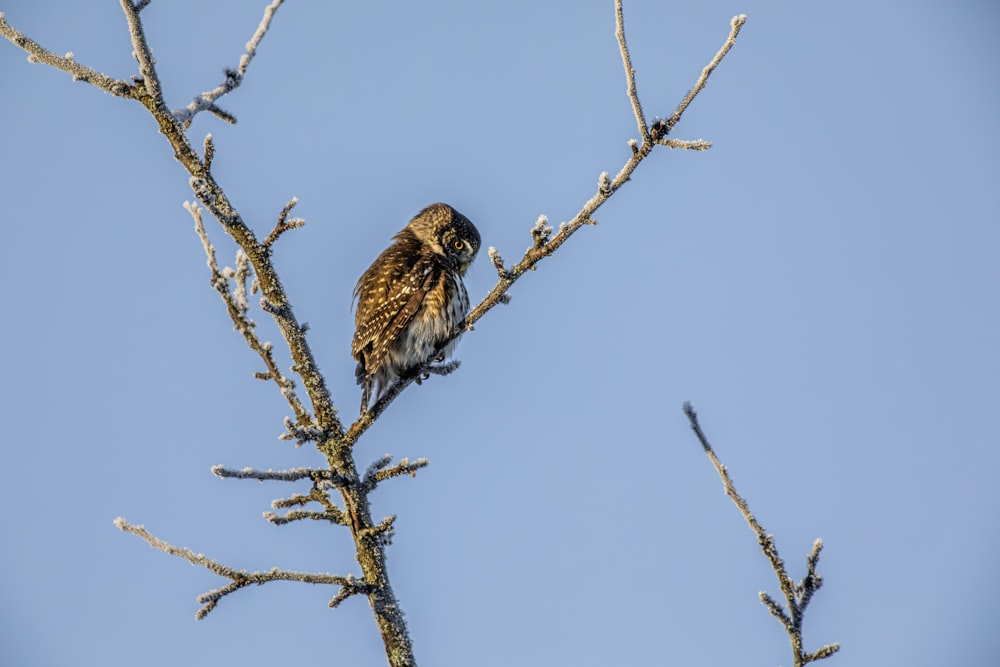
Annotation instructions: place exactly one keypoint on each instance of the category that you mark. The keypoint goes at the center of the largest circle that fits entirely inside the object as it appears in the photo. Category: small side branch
(688, 145)
(379, 471)
(291, 516)
(318, 494)
(633, 95)
(143, 54)
(300, 434)
(284, 223)
(240, 578)
(237, 306)
(234, 77)
(39, 54)
(293, 475)
(797, 596)
(663, 128)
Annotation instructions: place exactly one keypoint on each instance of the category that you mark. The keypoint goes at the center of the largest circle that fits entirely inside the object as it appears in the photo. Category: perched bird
(411, 299)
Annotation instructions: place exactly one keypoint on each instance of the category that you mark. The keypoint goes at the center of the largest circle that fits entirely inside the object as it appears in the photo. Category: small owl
(412, 298)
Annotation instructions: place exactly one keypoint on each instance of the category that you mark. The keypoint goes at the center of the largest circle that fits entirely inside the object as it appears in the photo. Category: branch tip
(630, 86)
(232, 78)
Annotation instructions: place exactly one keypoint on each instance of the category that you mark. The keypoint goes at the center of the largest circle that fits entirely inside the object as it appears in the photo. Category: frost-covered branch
(237, 307)
(797, 596)
(234, 77)
(293, 475)
(240, 578)
(633, 95)
(284, 223)
(379, 470)
(39, 54)
(663, 128)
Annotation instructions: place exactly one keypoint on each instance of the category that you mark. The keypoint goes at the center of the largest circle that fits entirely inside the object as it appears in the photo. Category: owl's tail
(365, 381)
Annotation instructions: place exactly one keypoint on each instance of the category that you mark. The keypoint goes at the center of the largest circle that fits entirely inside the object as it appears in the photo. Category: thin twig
(633, 96)
(689, 145)
(293, 475)
(298, 515)
(379, 472)
(284, 224)
(240, 578)
(143, 54)
(236, 306)
(234, 77)
(39, 54)
(664, 127)
(797, 597)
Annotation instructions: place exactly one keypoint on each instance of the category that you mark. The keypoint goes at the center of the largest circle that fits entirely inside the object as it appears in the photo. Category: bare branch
(381, 533)
(824, 652)
(297, 515)
(236, 305)
(300, 434)
(209, 147)
(695, 145)
(663, 128)
(317, 494)
(633, 96)
(143, 54)
(234, 77)
(295, 500)
(497, 261)
(351, 587)
(379, 472)
(39, 54)
(796, 597)
(811, 583)
(284, 224)
(293, 475)
(240, 578)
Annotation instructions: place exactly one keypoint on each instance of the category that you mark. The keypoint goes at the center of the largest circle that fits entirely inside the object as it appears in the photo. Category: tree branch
(240, 578)
(293, 475)
(633, 96)
(237, 307)
(663, 128)
(234, 77)
(143, 54)
(39, 54)
(379, 470)
(797, 597)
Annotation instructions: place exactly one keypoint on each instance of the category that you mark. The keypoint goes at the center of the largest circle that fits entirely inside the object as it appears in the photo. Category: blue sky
(822, 285)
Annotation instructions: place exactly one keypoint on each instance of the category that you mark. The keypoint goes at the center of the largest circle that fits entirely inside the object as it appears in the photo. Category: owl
(411, 299)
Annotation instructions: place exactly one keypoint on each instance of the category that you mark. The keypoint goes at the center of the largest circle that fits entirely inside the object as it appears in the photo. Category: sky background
(822, 285)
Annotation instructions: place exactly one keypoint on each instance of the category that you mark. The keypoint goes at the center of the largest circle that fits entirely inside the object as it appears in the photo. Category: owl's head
(447, 233)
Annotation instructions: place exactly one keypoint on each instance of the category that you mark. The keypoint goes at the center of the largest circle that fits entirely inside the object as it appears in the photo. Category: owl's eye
(457, 245)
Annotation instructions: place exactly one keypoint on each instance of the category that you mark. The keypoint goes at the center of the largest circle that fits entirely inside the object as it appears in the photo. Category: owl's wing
(388, 307)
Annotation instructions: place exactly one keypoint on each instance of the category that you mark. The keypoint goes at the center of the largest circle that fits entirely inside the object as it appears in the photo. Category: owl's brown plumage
(412, 297)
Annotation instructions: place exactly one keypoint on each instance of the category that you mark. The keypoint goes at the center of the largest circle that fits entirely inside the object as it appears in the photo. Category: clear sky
(822, 285)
